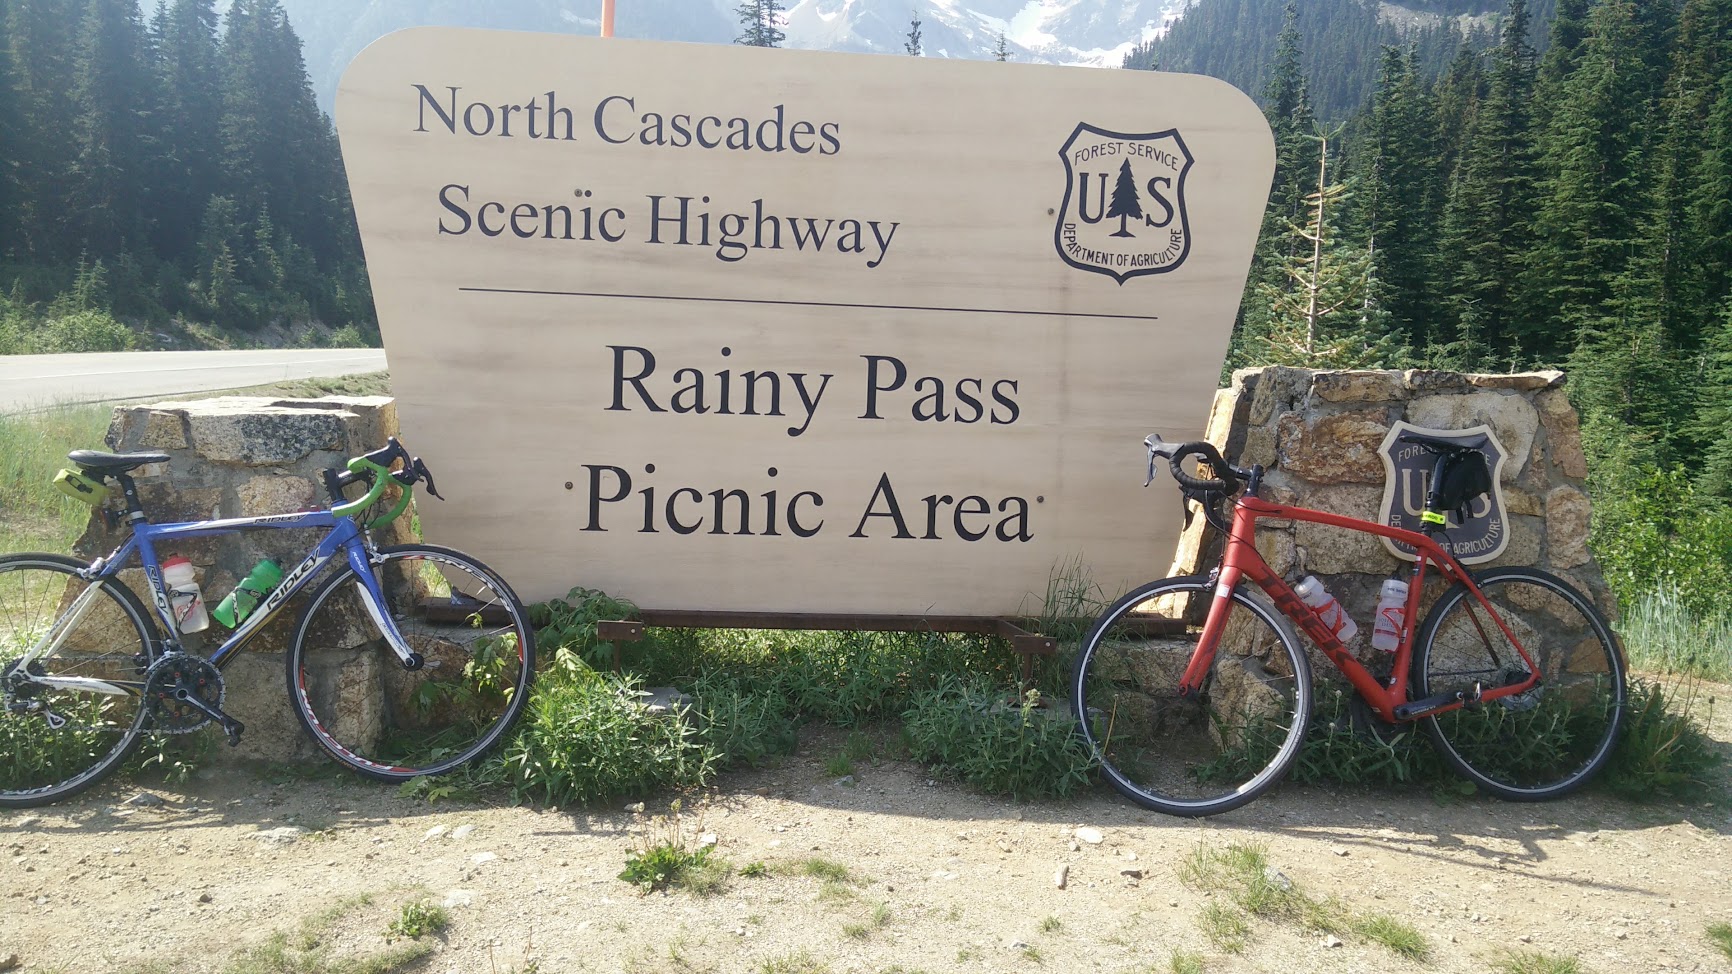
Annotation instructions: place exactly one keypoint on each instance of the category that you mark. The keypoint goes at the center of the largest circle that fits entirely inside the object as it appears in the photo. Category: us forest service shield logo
(1124, 202)
(1407, 475)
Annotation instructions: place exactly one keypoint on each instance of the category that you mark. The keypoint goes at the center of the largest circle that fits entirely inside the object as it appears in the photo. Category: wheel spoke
(1203, 753)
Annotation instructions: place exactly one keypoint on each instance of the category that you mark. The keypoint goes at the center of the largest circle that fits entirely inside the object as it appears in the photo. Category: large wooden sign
(724, 328)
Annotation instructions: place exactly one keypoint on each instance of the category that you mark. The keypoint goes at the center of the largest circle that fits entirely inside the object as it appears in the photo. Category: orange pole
(607, 18)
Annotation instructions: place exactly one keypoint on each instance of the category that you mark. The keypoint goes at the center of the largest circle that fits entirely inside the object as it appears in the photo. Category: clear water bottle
(1313, 594)
(1391, 613)
(184, 598)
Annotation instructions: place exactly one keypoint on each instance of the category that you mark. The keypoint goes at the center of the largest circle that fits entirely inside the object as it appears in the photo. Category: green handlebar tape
(395, 512)
(381, 479)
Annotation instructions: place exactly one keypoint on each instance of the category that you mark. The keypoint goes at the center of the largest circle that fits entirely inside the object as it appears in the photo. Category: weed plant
(668, 854)
(585, 737)
(1018, 750)
(419, 918)
(1664, 753)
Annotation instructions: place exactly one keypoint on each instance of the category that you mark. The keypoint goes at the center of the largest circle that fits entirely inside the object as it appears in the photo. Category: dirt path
(938, 879)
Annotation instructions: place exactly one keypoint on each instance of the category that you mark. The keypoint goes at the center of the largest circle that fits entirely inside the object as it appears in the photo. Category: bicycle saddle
(109, 464)
(1436, 445)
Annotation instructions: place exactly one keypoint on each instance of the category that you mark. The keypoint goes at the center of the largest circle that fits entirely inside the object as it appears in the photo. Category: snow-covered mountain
(1090, 32)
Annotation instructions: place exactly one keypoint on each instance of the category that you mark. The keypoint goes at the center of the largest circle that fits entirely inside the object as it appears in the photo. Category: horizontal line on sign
(807, 304)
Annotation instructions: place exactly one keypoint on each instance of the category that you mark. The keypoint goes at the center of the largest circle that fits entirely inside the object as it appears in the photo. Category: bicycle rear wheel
(358, 701)
(1218, 749)
(110, 641)
(1550, 740)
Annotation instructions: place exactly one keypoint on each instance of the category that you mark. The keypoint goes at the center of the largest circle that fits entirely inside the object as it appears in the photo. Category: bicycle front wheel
(1548, 741)
(370, 712)
(1209, 752)
(56, 741)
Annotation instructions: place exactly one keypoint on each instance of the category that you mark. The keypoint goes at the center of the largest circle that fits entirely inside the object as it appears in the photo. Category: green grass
(1225, 926)
(1185, 962)
(33, 515)
(1403, 938)
(306, 949)
(1662, 635)
(1051, 924)
(418, 919)
(795, 963)
(1246, 886)
(1537, 962)
(1720, 935)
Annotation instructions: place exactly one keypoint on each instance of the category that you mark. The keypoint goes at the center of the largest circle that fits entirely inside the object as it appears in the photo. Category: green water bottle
(234, 609)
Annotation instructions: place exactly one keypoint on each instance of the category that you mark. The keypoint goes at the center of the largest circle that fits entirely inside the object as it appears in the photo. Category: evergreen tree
(1486, 226)
(1324, 315)
(39, 34)
(111, 159)
(1125, 203)
(1402, 195)
(913, 44)
(9, 136)
(1001, 52)
(1589, 216)
(189, 80)
(761, 23)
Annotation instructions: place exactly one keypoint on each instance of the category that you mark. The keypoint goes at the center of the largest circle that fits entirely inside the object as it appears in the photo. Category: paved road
(29, 381)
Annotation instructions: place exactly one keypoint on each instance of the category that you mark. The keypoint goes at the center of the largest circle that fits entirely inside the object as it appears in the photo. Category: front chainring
(170, 675)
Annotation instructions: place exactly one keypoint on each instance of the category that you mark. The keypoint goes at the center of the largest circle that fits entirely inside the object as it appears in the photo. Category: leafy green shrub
(1654, 531)
(1663, 752)
(570, 623)
(743, 727)
(1021, 751)
(1335, 752)
(583, 739)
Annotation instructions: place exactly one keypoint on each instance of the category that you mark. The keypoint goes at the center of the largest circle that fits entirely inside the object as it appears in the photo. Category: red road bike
(1196, 693)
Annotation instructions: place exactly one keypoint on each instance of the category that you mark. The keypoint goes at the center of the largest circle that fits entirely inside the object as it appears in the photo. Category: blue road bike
(405, 660)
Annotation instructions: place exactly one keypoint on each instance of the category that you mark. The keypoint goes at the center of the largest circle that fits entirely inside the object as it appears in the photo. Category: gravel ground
(925, 875)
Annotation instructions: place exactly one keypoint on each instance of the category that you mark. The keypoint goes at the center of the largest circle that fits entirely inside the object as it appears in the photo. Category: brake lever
(1151, 477)
(426, 475)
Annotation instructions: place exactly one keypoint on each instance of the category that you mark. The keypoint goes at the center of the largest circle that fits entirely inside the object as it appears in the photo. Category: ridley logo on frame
(1407, 473)
(1124, 202)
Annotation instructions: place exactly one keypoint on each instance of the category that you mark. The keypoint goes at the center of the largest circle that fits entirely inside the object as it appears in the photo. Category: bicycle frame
(1240, 560)
(343, 537)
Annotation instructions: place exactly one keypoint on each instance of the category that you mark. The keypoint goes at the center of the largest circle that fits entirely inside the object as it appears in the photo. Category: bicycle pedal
(233, 728)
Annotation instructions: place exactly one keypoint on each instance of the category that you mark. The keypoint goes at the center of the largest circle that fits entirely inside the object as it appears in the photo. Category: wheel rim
(1198, 755)
(38, 761)
(1545, 741)
(370, 712)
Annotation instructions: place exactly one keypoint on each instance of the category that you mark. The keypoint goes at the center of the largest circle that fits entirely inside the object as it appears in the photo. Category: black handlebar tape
(1226, 483)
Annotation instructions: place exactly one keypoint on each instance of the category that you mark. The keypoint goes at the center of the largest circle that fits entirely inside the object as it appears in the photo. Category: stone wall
(1317, 434)
(241, 457)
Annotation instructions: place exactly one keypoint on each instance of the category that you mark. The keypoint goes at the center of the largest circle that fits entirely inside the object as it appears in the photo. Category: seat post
(134, 507)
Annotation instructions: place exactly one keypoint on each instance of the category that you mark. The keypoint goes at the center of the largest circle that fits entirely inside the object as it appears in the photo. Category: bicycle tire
(114, 639)
(1550, 740)
(359, 703)
(1223, 747)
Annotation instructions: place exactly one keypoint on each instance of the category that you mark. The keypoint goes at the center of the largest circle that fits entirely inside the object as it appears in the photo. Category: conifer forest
(164, 171)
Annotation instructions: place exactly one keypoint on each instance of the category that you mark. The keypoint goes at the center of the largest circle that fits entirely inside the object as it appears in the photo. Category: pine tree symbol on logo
(1126, 204)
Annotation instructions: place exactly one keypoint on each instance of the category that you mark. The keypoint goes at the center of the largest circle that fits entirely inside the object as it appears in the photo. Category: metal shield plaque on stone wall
(732, 329)
(1407, 476)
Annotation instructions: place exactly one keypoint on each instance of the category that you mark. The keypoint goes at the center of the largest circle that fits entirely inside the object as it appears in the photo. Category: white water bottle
(1313, 594)
(184, 597)
(1391, 613)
